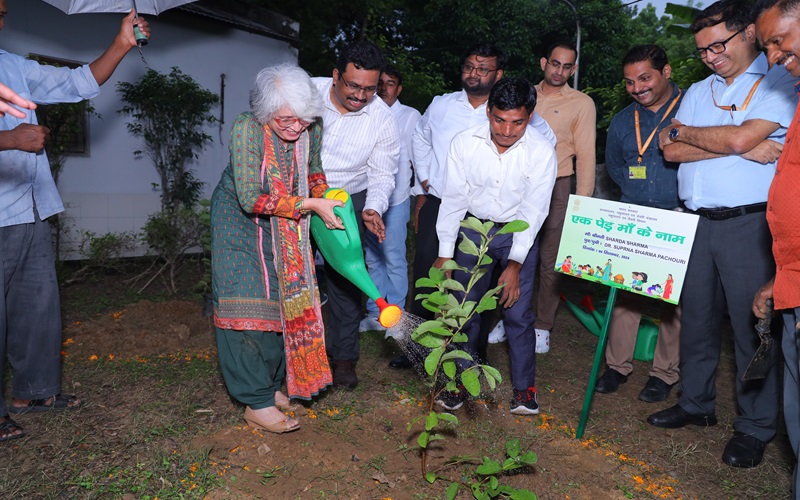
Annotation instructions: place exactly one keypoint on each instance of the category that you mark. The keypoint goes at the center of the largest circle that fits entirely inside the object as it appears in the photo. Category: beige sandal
(286, 425)
(286, 404)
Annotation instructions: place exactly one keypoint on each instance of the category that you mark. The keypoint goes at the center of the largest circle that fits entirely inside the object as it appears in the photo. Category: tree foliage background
(426, 39)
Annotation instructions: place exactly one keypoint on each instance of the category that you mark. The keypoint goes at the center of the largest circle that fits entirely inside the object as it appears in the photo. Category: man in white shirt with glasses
(360, 150)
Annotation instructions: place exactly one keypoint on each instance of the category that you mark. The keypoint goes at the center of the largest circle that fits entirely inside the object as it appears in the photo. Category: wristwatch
(673, 133)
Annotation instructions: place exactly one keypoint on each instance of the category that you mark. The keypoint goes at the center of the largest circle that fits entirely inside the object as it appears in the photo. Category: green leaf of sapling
(515, 226)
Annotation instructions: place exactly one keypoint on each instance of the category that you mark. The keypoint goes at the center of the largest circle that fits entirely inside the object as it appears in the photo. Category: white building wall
(111, 190)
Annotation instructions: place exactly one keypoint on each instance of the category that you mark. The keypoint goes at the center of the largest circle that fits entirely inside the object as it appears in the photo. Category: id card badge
(637, 172)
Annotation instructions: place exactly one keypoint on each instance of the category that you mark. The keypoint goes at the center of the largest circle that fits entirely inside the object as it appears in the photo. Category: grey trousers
(791, 386)
(30, 313)
(730, 260)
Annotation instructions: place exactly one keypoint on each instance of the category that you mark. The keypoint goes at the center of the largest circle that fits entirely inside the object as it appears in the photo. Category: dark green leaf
(422, 440)
(486, 304)
(449, 418)
(431, 421)
(512, 448)
(523, 495)
(460, 337)
(430, 341)
(515, 226)
(436, 274)
(452, 265)
(488, 467)
(438, 298)
(456, 354)
(426, 283)
(467, 246)
(474, 224)
(470, 380)
(452, 284)
(493, 372)
(432, 360)
(452, 491)
(428, 326)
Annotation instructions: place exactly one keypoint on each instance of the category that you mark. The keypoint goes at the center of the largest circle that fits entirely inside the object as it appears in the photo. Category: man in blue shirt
(634, 161)
(727, 135)
(30, 321)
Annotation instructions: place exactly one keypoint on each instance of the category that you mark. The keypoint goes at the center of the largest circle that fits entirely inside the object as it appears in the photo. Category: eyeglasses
(289, 121)
(358, 88)
(468, 69)
(557, 65)
(716, 47)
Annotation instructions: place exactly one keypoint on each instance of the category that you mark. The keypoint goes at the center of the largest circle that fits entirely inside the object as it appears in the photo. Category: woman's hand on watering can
(324, 208)
(373, 222)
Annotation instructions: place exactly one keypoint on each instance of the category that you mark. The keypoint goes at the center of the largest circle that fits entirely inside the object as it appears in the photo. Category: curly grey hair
(284, 85)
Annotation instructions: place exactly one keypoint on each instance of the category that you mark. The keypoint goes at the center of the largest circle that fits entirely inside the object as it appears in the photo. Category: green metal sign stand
(598, 360)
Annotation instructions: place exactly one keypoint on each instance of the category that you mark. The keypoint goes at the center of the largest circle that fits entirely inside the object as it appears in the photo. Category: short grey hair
(284, 85)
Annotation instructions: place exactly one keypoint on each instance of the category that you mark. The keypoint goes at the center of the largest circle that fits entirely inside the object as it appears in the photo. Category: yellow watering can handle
(337, 194)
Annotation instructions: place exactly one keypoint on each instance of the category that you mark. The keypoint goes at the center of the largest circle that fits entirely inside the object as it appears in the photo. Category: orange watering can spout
(342, 250)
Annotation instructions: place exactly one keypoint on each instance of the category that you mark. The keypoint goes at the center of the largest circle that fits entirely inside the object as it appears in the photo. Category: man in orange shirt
(778, 30)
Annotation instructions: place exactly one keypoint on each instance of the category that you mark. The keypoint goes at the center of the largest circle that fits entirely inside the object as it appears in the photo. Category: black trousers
(344, 302)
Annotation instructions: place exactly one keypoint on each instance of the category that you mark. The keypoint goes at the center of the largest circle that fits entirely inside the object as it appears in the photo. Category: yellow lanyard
(733, 107)
(643, 148)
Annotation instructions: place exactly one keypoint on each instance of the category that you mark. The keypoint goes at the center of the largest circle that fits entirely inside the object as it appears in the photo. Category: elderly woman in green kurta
(266, 304)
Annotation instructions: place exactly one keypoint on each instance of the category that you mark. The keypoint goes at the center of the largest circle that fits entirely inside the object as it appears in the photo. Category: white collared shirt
(406, 118)
(516, 184)
(360, 149)
(446, 116)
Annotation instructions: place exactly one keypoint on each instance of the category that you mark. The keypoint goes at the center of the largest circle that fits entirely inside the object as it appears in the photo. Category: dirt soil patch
(355, 444)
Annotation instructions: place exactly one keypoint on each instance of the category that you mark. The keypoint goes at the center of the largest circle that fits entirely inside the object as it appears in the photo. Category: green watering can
(645, 340)
(342, 250)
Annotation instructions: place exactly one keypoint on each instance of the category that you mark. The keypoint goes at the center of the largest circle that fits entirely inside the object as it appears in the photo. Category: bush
(171, 234)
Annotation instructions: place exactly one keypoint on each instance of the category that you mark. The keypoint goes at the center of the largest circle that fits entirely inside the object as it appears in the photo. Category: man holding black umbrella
(30, 320)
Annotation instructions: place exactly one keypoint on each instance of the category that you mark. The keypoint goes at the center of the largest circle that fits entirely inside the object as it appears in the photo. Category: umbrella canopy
(153, 7)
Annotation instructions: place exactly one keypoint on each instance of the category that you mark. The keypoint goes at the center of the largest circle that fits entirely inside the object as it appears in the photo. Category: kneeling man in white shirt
(499, 171)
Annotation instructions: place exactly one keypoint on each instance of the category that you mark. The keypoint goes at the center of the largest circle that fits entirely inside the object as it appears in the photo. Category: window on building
(68, 122)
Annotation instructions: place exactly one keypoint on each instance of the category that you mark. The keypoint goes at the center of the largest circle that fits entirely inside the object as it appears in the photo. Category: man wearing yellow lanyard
(728, 134)
(635, 163)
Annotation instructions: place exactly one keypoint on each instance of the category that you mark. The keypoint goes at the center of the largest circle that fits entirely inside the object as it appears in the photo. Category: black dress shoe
(400, 362)
(655, 390)
(743, 451)
(609, 381)
(676, 417)
(344, 373)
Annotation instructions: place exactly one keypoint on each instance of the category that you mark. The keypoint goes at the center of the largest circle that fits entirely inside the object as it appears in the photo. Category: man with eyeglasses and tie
(360, 151)
(573, 117)
(446, 116)
(727, 135)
